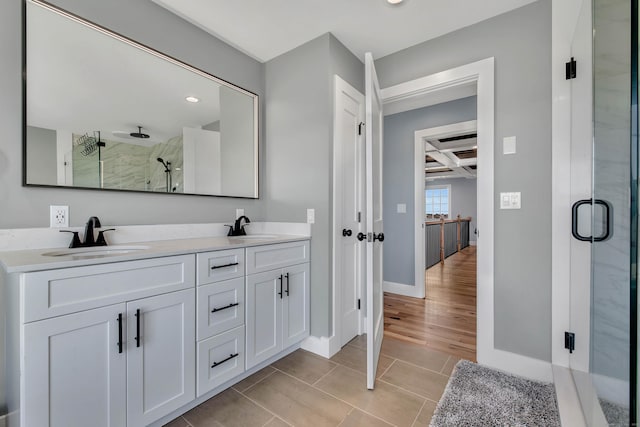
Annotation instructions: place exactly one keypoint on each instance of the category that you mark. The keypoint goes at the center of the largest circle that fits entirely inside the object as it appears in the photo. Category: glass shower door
(612, 349)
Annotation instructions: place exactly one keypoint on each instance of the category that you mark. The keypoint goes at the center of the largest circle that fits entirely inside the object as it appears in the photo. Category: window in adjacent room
(438, 201)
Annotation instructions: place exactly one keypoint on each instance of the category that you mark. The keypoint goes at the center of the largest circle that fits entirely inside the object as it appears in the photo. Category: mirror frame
(149, 50)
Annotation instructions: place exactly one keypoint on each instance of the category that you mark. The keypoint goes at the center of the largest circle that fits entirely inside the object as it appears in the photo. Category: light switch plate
(510, 200)
(509, 145)
(402, 208)
(311, 216)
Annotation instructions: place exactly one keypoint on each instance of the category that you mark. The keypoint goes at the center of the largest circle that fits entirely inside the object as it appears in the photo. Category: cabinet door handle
(119, 332)
(225, 307)
(224, 265)
(280, 293)
(287, 290)
(138, 328)
(231, 356)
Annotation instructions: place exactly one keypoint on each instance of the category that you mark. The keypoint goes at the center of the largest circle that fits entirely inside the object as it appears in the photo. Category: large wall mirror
(104, 112)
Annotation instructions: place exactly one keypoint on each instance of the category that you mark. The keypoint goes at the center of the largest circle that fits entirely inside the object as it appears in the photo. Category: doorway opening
(445, 216)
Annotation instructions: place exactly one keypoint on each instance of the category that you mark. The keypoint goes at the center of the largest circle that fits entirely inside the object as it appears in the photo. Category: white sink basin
(255, 237)
(97, 251)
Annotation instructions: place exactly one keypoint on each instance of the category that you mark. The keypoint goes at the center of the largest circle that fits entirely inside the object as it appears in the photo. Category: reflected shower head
(167, 165)
(139, 134)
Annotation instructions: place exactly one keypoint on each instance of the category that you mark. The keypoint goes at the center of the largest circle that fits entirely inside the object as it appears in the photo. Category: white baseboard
(473, 243)
(322, 346)
(402, 289)
(567, 397)
(516, 364)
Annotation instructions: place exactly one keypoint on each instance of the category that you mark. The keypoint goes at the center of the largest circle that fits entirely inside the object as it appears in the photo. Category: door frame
(341, 85)
(483, 74)
(419, 186)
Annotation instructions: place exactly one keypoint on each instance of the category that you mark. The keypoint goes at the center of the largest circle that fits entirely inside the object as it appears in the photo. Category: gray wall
(298, 158)
(520, 41)
(149, 24)
(41, 153)
(463, 200)
(399, 254)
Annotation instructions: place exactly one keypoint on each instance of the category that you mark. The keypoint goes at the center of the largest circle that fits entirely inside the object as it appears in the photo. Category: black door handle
(379, 237)
(138, 328)
(346, 232)
(287, 290)
(607, 220)
(119, 332)
(280, 293)
(361, 236)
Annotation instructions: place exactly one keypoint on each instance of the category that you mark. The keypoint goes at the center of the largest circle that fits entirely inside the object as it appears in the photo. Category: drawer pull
(225, 307)
(224, 265)
(231, 356)
(137, 328)
(119, 332)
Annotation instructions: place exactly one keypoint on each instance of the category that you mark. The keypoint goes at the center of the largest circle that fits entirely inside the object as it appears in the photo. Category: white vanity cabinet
(277, 299)
(220, 318)
(122, 356)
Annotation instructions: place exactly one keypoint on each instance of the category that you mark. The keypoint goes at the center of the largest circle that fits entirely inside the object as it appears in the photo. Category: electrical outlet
(58, 216)
(239, 213)
(311, 216)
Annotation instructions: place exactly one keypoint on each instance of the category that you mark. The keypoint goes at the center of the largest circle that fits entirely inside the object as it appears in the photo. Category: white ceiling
(266, 29)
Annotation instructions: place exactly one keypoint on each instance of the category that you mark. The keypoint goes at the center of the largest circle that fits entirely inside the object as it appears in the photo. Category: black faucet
(237, 229)
(89, 239)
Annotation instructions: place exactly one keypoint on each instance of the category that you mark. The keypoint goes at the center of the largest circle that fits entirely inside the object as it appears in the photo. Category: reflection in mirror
(104, 112)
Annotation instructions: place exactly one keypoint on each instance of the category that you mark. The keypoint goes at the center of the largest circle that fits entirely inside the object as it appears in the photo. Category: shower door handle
(607, 220)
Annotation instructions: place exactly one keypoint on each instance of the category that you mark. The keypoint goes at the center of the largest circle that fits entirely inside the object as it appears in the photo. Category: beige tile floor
(304, 389)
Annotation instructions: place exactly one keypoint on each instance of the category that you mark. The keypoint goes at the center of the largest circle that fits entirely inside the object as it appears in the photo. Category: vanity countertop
(23, 261)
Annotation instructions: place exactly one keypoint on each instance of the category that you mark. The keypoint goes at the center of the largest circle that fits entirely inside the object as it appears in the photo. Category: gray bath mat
(479, 396)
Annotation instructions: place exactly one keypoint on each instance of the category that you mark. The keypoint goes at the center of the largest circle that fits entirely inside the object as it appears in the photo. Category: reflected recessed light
(394, 1)
(192, 99)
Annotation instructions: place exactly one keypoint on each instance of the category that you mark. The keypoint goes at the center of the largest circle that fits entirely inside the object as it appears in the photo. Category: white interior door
(348, 205)
(373, 217)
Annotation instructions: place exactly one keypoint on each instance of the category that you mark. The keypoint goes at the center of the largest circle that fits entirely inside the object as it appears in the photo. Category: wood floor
(446, 319)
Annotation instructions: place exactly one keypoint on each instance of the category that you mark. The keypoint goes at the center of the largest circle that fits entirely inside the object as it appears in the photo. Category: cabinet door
(264, 316)
(74, 374)
(295, 310)
(161, 361)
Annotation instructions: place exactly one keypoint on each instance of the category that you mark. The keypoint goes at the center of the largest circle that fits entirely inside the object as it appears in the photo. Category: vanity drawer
(220, 265)
(226, 352)
(220, 307)
(271, 257)
(69, 290)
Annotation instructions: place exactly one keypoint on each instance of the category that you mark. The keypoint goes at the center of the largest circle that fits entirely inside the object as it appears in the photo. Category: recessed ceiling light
(192, 99)
(394, 1)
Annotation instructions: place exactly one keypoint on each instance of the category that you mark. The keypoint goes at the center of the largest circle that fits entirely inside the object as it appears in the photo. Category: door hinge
(360, 128)
(359, 216)
(358, 303)
(571, 69)
(570, 341)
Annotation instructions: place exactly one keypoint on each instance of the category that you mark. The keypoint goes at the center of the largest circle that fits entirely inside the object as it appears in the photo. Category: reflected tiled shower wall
(130, 166)
(610, 308)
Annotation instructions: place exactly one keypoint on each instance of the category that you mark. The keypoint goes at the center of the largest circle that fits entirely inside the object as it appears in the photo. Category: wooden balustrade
(445, 243)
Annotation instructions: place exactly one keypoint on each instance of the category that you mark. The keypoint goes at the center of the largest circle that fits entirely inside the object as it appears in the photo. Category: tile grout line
(393, 362)
(319, 379)
(263, 407)
(257, 382)
(347, 416)
(445, 365)
(415, 420)
(404, 389)
(427, 369)
(270, 419)
(186, 421)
